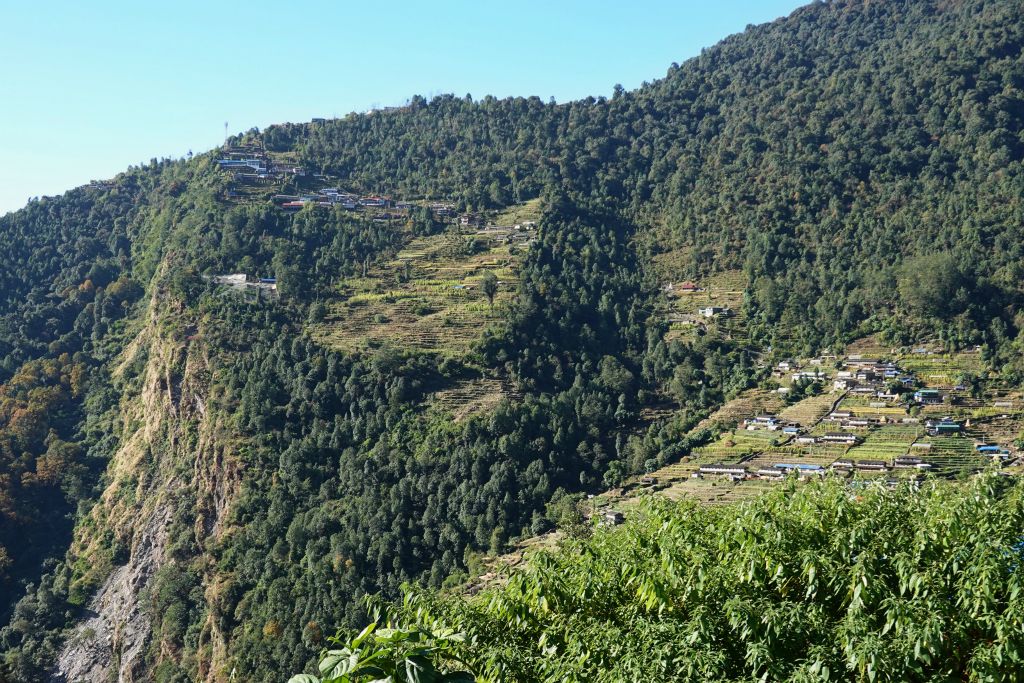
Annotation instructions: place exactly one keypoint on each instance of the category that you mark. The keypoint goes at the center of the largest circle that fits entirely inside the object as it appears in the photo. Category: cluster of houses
(331, 196)
(706, 312)
(804, 471)
(251, 165)
(867, 378)
(383, 208)
(687, 287)
(774, 424)
(510, 234)
(240, 282)
(871, 378)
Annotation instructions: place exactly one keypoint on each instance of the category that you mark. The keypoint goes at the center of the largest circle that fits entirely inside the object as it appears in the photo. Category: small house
(928, 396)
(840, 438)
(767, 422)
(714, 311)
(808, 376)
(614, 518)
(943, 427)
(910, 462)
(804, 470)
(721, 470)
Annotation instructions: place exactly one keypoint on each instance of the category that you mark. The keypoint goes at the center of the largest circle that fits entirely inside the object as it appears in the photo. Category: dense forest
(858, 164)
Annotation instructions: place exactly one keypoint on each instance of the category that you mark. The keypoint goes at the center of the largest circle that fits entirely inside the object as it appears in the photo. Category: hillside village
(874, 414)
(428, 296)
(254, 172)
(883, 417)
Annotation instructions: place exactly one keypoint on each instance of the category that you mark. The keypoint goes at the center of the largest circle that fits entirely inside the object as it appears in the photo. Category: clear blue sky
(88, 88)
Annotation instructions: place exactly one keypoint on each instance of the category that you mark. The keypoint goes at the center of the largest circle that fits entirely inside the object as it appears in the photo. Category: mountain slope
(240, 482)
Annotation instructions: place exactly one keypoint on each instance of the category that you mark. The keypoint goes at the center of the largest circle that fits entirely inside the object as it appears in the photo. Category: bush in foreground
(824, 582)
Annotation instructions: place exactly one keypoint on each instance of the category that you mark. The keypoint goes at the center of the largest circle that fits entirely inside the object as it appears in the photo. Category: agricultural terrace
(750, 402)
(940, 370)
(471, 397)
(724, 291)
(428, 298)
(887, 427)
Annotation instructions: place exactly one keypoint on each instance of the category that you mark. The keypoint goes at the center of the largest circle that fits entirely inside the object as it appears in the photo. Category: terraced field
(954, 454)
(808, 411)
(886, 442)
(748, 404)
(520, 213)
(471, 397)
(736, 445)
(427, 298)
(941, 370)
(716, 492)
(998, 429)
(869, 347)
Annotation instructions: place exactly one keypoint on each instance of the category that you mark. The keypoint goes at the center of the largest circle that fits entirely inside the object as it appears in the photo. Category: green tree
(489, 284)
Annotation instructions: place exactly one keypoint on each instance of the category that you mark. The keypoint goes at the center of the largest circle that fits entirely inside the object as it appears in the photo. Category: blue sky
(87, 89)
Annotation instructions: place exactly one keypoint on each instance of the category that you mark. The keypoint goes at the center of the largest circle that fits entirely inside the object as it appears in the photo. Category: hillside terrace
(928, 425)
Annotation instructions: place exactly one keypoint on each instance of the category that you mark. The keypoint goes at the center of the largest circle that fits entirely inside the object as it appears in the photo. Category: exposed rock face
(111, 642)
(169, 452)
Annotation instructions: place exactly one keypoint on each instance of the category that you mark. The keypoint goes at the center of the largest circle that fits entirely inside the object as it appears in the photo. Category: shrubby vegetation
(858, 164)
(814, 584)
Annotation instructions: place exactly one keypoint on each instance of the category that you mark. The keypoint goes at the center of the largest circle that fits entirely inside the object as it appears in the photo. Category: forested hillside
(201, 477)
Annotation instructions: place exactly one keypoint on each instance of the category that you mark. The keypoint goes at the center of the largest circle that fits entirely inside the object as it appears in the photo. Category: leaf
(419, 669)
(363, 634)
(330, 661)
(303, 678)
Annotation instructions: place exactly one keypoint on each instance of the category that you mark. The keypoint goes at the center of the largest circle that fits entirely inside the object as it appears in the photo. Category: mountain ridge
(804, 174)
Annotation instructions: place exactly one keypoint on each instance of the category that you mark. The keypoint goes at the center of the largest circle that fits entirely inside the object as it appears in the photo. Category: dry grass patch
(428, 298)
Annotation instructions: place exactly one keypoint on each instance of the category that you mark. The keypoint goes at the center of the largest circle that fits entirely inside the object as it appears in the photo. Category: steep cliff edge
(169, 454)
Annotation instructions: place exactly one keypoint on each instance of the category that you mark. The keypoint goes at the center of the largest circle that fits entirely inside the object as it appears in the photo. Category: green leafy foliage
(821, 583)
(858, 165)
(398, 655)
